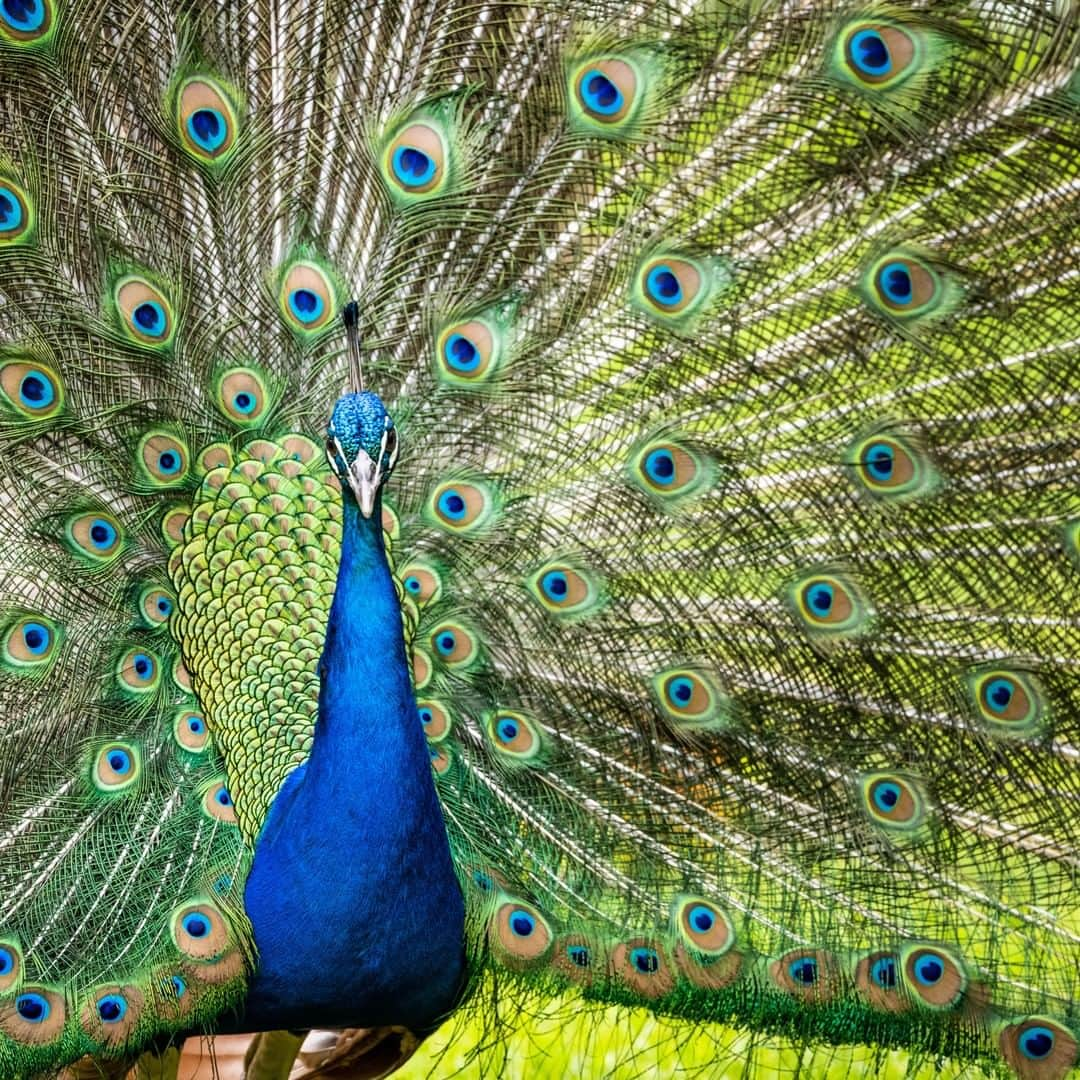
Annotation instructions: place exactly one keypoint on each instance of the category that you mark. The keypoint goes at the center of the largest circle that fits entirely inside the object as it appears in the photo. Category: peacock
(504, 502)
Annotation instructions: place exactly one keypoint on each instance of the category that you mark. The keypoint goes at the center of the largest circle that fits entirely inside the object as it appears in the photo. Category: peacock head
(362, 446)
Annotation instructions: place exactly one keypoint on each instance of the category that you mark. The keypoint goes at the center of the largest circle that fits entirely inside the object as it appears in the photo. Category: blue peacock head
(362, 446)
(361, 442)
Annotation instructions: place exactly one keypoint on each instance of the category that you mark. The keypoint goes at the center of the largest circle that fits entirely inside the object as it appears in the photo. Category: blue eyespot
(244, 402)
(179, 987)
(880, 459)
(33, 1008)
(482, 881)
(928, 969)
(196, 725)
(680, 690)
(555, 586)
(820, 599)
(663, 286)
(207, 128)
(870, 54)
(645, 961)
(164, 605)
(11, 212)
(120, 761)
(998, 694)
(507, 729)
(803, 971)
(143, 666)
(36, 390)
(883, 972)
(149, 318)
(702, 919)
(600, 94)
(660, 466)
(886, 796)
(7, 961)
(446, 643)
(461, 354)
(112, 1008)
(102, 534)
(196, 925)
(36, 637)
(25, 16)
(578, 955)
(452, 505)
(306, 305)
(1037, 1043)
(412, 584)
(412, 166)
(425, 716)
(522, 923)
(223, 797)
(169, 462)
(894, 281)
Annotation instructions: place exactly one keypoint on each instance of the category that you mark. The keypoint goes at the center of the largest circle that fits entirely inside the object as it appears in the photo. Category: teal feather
(726, 473)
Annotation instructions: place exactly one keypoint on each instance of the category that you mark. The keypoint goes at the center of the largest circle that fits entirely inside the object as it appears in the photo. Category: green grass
(573, 1039)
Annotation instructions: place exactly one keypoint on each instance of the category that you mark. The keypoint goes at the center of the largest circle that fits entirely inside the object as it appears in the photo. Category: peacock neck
(352, 894)
(366, 703)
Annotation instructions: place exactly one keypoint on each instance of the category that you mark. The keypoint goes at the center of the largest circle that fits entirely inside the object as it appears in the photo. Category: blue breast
(352, 895)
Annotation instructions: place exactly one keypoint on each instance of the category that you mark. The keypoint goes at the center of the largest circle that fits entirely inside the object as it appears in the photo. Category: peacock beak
(365, 481)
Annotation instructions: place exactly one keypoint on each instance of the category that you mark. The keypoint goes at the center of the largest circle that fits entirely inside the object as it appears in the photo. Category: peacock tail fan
(732, 347)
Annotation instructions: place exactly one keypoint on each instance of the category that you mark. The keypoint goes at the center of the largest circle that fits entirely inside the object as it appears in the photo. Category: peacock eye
(416, 161)
(934, 976)
(520, 933)
(703, 926)
(607, 93)
(880, 55)
(241, 395)
(93, 536)
(463, 508)
(29, 643)
(31, 389)
(307, 297)
(117, 767)
(218, 804)
(892, 801)
(1013, 703)
(905, 285)
(16, 213)
(145, 314)
(25, 21)
(469, 352)
(206, 120)
(1037, 1047)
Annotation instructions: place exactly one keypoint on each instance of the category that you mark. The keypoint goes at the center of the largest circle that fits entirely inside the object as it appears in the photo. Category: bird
(501, 501)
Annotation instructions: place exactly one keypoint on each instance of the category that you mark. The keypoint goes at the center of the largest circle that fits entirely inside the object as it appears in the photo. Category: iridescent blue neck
(352, 893)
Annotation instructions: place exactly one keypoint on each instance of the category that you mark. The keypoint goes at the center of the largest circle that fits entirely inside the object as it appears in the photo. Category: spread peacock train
(507, 500)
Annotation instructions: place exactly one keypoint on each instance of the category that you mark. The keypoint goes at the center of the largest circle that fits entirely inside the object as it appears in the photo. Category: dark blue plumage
(386, 942)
